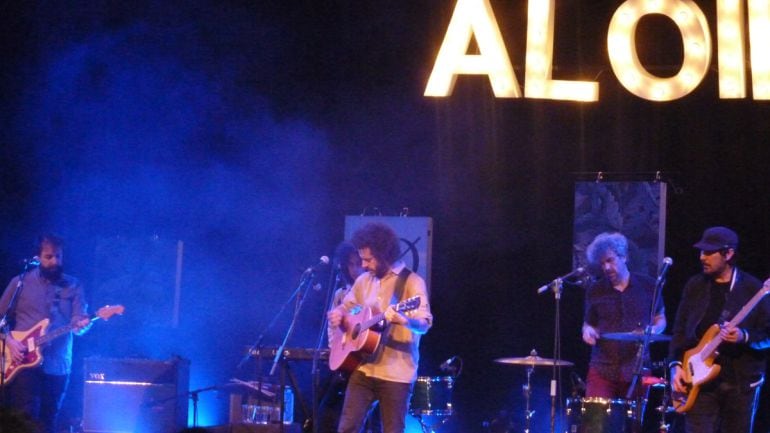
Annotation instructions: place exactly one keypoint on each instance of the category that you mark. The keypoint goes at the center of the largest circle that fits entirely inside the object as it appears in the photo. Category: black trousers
(363, 391)
(723, 406)
(39, 395)
(330, 407)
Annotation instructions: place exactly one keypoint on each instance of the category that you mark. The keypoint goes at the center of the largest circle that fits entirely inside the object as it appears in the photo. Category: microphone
(323, 261)
(446, 364)
(578, 271)
(667, 262)
(34, 261)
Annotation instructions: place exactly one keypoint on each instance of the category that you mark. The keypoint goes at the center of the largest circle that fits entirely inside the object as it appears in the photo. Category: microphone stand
(301, 294)
(556, 285)
(643, 351)
(4, 326)
(556, 374)
(192, 395)
(258, 344)
(334, 282)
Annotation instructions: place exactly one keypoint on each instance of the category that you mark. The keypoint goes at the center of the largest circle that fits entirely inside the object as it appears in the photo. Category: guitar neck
(714, 343)
(748, 307)
(58, 332)
(712, 346)
(408, 305)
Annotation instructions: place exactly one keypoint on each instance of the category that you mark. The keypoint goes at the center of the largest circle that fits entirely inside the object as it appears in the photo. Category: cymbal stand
(528, 413)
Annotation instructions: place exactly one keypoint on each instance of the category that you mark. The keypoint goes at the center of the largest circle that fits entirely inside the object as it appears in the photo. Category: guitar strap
(398, 294)
(398, 291)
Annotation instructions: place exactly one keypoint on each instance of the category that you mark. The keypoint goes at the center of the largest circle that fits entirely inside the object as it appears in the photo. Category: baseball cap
(717, 238)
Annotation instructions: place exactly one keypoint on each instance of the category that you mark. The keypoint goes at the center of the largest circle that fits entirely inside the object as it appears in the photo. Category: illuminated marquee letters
(538, 82)
(759, 41)
(621, 45)
(475, 18)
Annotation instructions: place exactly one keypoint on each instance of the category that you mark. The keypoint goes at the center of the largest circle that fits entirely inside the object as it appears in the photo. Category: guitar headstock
(408, 304)
(108, 311)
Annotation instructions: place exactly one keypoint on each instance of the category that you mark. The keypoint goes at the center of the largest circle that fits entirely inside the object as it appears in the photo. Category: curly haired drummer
(619, 302)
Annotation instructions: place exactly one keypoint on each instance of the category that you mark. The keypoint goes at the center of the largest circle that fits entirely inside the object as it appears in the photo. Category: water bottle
(288, 405)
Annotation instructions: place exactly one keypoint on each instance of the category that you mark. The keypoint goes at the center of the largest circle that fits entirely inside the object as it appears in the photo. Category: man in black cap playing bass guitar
(721, 308)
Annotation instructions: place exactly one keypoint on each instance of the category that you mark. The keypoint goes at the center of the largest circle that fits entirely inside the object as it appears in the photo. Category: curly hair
(380, 239)
(604, 242)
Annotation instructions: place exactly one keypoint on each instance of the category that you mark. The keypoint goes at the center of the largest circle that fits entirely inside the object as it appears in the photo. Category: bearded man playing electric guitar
(45, 293)
(718, 388)
(388, 373)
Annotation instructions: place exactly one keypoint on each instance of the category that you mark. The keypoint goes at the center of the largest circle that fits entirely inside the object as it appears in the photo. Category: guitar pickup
(30, 345)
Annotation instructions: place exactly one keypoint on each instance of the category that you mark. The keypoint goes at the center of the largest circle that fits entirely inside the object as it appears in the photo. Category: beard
(713, 271)
(381, 270)
(52, 274)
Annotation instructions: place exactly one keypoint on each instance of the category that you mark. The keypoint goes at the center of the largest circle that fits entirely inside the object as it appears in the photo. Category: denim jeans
(362, 391)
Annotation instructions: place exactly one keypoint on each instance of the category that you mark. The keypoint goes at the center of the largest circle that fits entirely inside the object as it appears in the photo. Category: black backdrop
(249, 129)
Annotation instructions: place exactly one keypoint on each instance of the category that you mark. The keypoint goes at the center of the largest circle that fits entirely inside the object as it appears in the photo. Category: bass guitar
(354, 340)
(34, 338)
(698, 362)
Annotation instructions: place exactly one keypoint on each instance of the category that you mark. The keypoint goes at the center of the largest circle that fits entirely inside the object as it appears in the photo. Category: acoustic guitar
(354, 340)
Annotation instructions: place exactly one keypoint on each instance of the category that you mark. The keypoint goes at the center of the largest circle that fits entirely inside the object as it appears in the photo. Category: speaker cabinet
(135, 395)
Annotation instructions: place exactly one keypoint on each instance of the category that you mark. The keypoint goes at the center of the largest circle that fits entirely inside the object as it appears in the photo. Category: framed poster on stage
(415, 234)
(635, 209)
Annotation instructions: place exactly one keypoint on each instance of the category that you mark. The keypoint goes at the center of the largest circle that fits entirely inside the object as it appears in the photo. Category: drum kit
(431, 401)
(600, 415)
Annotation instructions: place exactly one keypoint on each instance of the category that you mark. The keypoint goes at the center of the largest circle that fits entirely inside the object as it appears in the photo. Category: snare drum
(432, 396)
(600, 415)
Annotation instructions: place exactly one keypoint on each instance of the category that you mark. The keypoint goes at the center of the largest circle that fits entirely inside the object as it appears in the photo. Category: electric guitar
(353, 340)
(34, 338)
(698, 362)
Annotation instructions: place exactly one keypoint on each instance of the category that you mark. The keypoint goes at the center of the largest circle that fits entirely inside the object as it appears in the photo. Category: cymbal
(634, 336)
(533, 361)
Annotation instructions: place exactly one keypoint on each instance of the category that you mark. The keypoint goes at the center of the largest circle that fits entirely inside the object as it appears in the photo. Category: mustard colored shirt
(398, 357)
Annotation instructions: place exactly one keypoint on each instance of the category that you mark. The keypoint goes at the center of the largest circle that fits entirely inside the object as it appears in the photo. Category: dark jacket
(741, 362)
